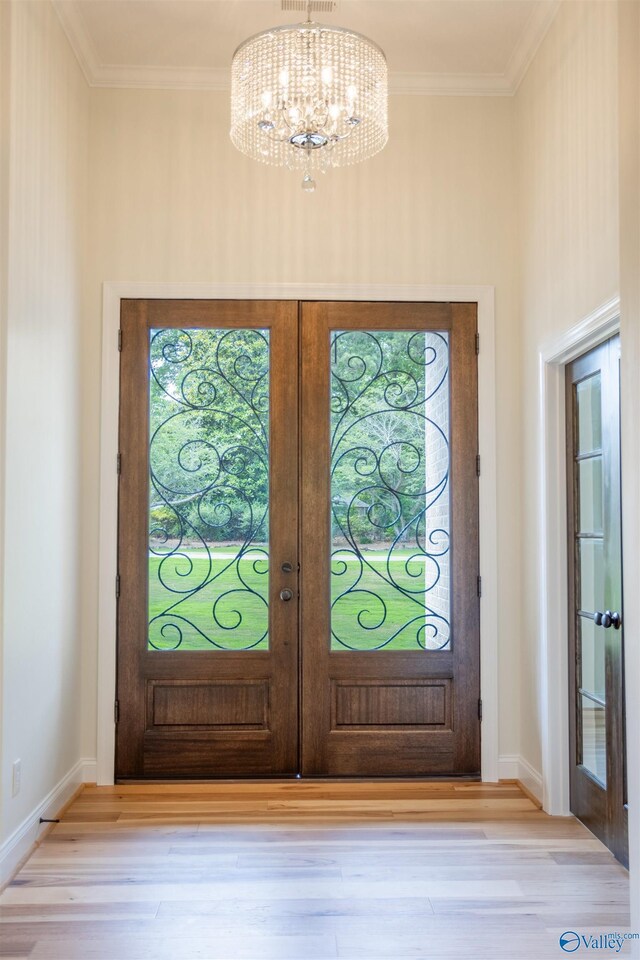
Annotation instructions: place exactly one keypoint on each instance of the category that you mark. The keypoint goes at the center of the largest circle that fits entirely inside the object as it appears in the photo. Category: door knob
(607, 619)
(286, 594)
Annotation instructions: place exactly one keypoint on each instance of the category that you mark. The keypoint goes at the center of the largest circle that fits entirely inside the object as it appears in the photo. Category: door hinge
(477, 465)
(116, 711)
(479, 709)
(117, 586)
(479, 586)
(119, 464)
(477, 344)
(119, 340)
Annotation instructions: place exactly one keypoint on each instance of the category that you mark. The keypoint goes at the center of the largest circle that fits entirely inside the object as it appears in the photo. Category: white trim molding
(150, 76)
(541, 18)
(19, 844)
(114, 292)
(552, 525)
(515, 767)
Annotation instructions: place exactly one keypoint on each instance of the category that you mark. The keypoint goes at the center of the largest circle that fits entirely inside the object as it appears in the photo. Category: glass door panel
(590, 494)
(594, 747)
(589, 414)
(389, 430)
(591, 571)
(209, 489)
(592, 658)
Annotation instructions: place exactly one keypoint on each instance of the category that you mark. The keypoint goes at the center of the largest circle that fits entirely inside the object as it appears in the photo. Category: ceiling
(432, 46)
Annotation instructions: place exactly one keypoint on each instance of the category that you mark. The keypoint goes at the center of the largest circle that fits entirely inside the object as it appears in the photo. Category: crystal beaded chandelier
(309, 97)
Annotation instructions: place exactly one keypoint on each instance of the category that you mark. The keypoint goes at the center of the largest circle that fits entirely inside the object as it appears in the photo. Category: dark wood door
(208, 539)
(596, 632)
(213, 657)
(389, 540)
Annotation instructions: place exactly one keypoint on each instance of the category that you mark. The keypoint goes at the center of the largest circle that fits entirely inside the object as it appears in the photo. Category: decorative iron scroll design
(390, 490)
(209, 488)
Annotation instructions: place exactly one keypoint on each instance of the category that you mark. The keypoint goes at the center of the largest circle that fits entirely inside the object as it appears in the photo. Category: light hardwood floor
(298, 869)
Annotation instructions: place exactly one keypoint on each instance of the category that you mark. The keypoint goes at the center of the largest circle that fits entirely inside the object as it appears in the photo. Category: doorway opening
(298, 540)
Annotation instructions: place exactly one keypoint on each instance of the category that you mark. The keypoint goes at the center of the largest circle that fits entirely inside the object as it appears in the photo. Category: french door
(596, 633)
(298, 540)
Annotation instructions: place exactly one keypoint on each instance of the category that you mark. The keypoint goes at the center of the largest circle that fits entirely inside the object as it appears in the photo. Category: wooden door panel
(206, 711)
(211, 705)
(392, 709)
(391, 704)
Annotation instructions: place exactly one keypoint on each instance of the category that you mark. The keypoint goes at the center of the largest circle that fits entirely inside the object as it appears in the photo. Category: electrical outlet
(16, 778)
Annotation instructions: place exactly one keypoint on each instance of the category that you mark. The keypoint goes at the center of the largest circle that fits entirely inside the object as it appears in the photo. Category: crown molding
(450, 84)
(162, 78)
(150, 77)
(542, 16)
(79, 38)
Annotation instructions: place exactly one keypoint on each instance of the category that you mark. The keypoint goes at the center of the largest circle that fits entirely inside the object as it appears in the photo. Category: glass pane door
(595, 595)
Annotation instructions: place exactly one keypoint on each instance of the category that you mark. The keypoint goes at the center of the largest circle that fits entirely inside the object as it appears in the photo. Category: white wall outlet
(16, 778)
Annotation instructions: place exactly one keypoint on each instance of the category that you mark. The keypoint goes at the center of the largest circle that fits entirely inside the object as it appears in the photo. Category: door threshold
(448, 778)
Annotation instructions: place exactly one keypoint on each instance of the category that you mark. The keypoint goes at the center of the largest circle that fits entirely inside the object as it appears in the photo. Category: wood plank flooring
(302, 870)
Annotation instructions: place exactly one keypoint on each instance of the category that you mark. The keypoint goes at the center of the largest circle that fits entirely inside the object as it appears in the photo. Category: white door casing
(114, 292)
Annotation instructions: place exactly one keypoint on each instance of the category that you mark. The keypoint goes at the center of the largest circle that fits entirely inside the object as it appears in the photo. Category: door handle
(607, 619)
(286, 594)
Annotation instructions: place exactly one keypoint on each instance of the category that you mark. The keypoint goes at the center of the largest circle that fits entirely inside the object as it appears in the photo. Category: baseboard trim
(19, 845)
(514, 767)
(530, 779)
(89, 771)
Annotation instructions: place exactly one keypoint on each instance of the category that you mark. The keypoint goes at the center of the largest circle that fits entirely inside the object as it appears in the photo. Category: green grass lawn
(241, 611)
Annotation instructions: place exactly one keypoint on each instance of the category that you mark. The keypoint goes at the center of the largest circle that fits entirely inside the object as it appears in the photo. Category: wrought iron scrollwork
(209, 482)
(390, 490)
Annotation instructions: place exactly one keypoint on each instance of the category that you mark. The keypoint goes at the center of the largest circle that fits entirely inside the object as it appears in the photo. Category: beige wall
(517, 193)
(567, 168)
(45, 135)
(171, 199)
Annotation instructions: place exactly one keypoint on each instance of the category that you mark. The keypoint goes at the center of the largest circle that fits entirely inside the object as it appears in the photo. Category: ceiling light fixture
(309, 97)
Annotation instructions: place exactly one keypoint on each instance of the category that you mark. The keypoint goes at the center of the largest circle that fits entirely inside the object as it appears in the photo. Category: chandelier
(309, 97)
